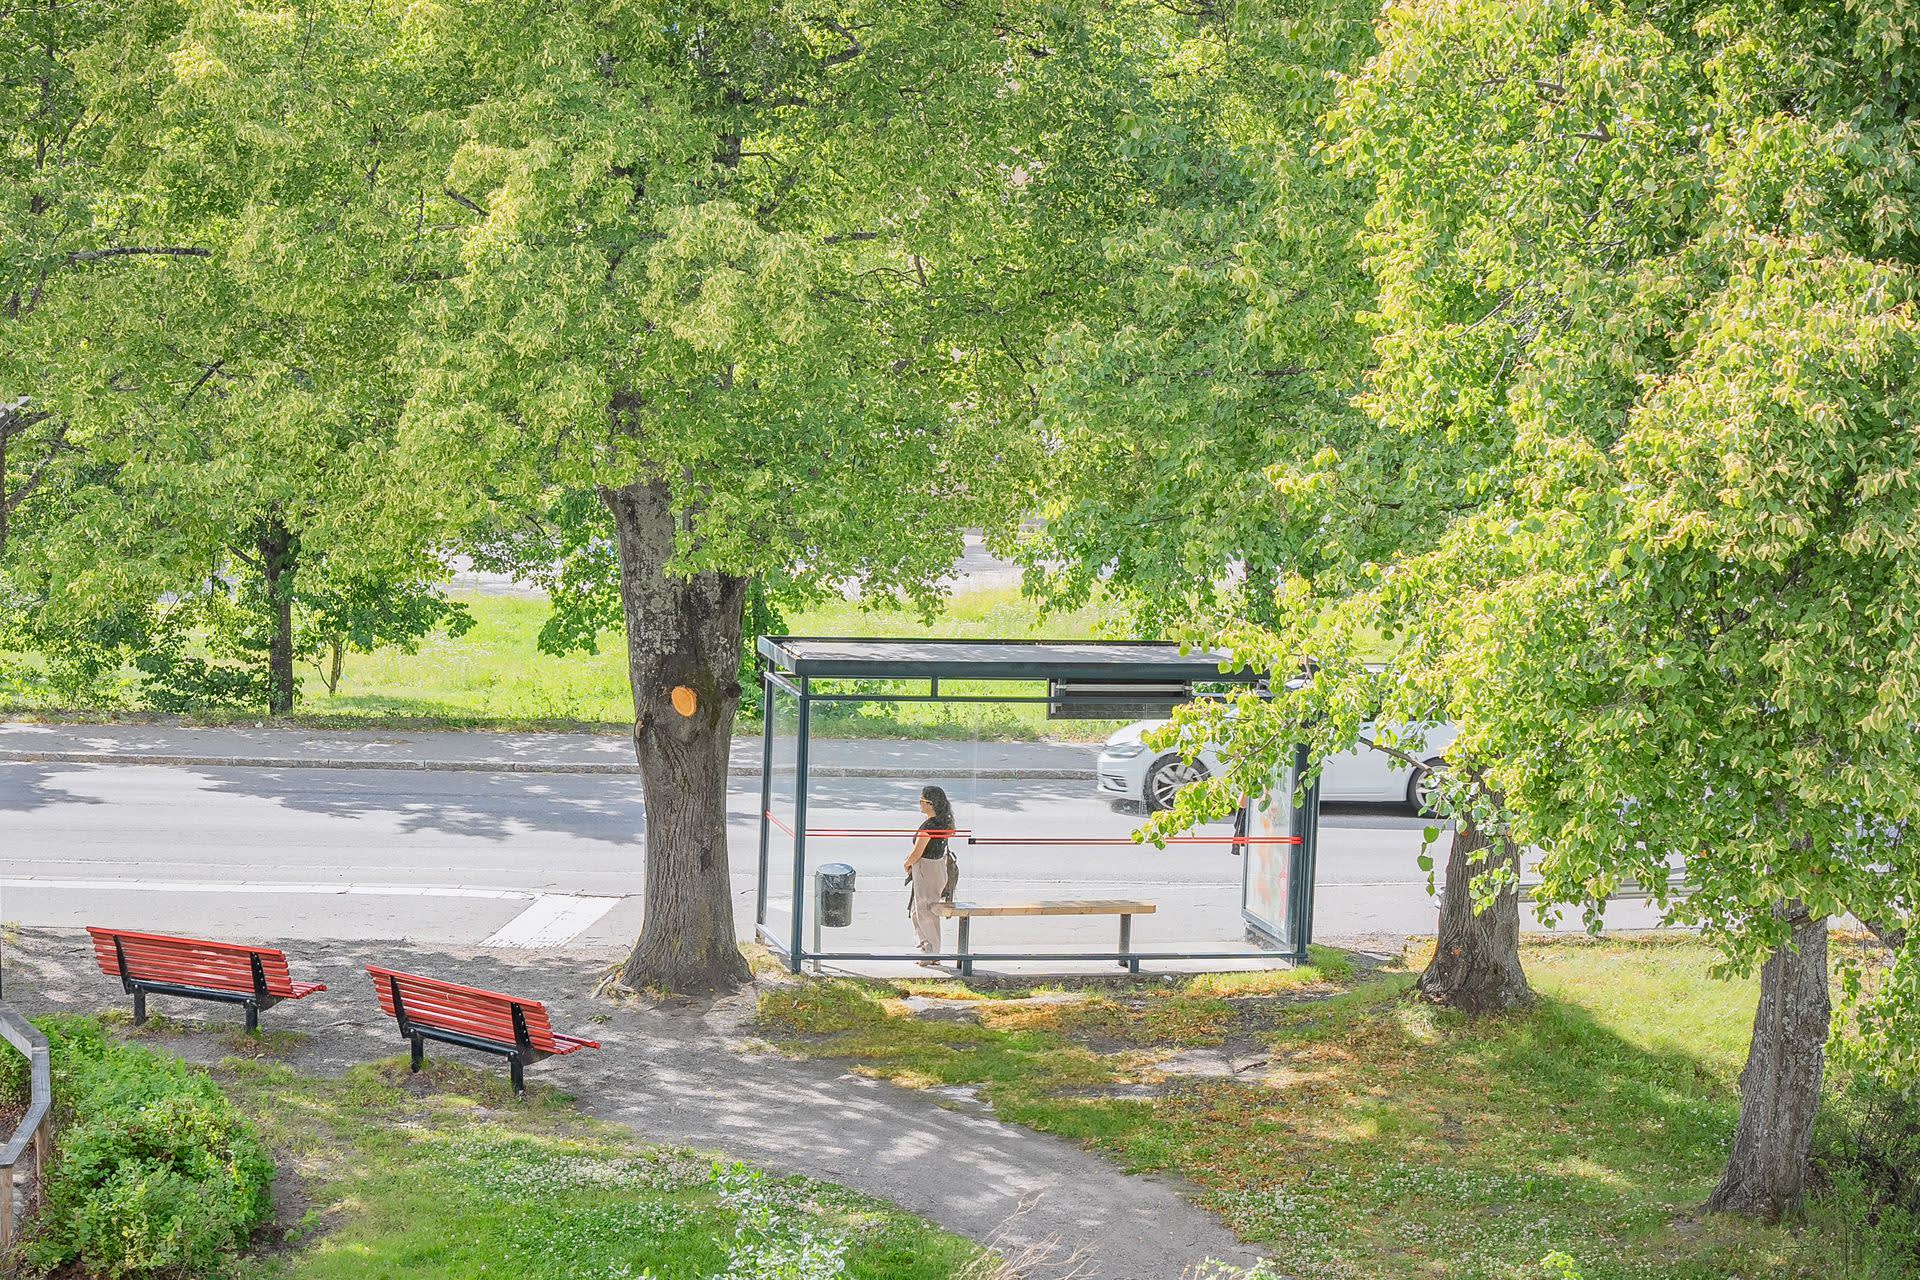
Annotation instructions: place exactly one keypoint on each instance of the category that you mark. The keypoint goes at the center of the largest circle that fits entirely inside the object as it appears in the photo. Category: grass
(1371, 1136)
(443, 1176)
(496, 677)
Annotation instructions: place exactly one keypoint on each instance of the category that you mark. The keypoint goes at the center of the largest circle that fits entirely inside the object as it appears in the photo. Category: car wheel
(1166, 778)
(1423, 788)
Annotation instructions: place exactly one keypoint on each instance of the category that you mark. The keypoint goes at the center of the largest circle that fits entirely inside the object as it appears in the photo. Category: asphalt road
(549, 859)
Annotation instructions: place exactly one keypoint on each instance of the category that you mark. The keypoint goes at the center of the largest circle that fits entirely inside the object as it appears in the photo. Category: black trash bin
(833, 882)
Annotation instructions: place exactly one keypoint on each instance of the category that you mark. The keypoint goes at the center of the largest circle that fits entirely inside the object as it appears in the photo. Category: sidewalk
(477, 752)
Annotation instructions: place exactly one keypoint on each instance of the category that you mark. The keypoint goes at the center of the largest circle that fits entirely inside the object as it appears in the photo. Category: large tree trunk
(683, 655)
(1476, 962)
(1780, 1088)
(279, 550)
(7, 413)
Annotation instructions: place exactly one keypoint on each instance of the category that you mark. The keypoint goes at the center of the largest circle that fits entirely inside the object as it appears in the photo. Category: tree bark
(1892, 936)
(682, 634)
(279, 552)
(1766, 1173)
(1476, 960)
(6, 507)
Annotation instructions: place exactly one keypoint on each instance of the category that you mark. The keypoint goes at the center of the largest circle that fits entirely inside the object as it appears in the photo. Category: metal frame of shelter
(1117, 679)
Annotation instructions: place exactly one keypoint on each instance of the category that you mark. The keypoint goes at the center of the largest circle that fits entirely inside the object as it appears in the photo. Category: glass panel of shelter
(1032, 826)
(779, 804)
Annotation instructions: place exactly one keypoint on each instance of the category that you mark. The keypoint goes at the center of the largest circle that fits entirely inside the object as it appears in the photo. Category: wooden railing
(36, 1126)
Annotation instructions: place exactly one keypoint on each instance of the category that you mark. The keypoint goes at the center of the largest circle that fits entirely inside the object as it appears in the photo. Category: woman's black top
(937, 846)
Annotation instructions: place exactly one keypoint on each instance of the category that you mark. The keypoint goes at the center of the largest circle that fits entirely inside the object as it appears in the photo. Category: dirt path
(687, 1077)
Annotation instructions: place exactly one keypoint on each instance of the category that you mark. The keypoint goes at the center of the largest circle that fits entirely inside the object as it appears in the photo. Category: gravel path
(687, 1076)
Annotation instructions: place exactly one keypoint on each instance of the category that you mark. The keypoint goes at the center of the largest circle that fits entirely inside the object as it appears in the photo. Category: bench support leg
(966, 945)
(139, 1007)
(253, 1018)
(419, 1053)
(515, 1072)
(1132, 963)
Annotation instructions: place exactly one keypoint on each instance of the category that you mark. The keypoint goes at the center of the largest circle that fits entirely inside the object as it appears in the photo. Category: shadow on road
(26, 787)
(486, 806)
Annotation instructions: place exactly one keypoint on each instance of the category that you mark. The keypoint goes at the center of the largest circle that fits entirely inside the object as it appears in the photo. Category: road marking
(553, 920)
(269, 886)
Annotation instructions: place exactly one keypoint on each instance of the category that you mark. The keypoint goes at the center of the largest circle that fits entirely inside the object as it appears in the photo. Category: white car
(1130, 772)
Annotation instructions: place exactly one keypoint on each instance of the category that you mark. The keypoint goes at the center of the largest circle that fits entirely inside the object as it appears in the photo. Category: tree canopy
(1196, 405)
(1646, 345)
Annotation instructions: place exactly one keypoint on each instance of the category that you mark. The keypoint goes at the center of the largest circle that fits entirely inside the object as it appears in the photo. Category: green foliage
(155, 1172)
(194, 315)
(1646, 367)
(16, 1076)
(1869, 1146)
(1198, 396)
(715, 255)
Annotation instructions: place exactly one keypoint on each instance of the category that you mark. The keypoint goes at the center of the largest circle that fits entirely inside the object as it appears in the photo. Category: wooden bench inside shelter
(1125, 908)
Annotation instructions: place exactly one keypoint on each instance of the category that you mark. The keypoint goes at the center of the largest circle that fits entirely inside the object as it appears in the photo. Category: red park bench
(253, 977)
(473, 1018)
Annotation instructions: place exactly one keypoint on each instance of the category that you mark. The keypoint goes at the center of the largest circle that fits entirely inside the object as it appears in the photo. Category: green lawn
(495, 676)
(442, 1176)
(1377, 1137)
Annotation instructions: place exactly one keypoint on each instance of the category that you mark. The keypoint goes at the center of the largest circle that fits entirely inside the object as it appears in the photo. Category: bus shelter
(811, 683)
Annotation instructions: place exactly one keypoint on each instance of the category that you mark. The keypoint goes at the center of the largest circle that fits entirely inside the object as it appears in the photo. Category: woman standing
(927, 869)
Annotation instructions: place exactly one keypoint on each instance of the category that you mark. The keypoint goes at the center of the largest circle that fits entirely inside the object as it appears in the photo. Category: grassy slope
(1380, 1138)
(443, 1176)
(495, 676)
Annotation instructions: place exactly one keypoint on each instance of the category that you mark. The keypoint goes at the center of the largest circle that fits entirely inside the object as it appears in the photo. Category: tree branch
(194, 390)
(463, 201)
(137, 250)
(853, 50)
(10, 502)
(1892, 936)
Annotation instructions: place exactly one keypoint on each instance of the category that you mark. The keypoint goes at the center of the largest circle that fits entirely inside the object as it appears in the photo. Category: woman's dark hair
(942, 807)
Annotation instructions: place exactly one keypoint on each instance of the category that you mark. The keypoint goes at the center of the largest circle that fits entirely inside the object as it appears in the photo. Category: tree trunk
(683, 654)
(279, 552)
(1476, 961)
(333, 671)
(6, 507)
(1780, 1088)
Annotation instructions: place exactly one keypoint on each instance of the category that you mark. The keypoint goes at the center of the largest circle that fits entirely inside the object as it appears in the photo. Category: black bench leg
(966, 945)
(1132, 963)
(139, 1007)
(516, 1073)
(419, 1052)
(253, 1018)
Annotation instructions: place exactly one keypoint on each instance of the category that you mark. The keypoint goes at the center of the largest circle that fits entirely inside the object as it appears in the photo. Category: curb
(492, 766)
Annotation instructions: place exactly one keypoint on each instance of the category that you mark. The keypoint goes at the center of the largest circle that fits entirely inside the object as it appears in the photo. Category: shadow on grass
(1385, 1138)
(1400, 1139)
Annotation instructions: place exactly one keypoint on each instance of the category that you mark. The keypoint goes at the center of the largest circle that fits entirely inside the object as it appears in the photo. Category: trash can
(833, 883)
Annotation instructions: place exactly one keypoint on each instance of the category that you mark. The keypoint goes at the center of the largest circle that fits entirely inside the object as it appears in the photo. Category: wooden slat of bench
(151, 964)
(434, 1005)
(195, 962)
(133, 934)
(474, 1011)
(1061, 907)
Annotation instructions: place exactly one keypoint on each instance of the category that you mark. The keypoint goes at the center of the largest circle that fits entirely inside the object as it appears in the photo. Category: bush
(154, 1171)
(1869, 1151)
